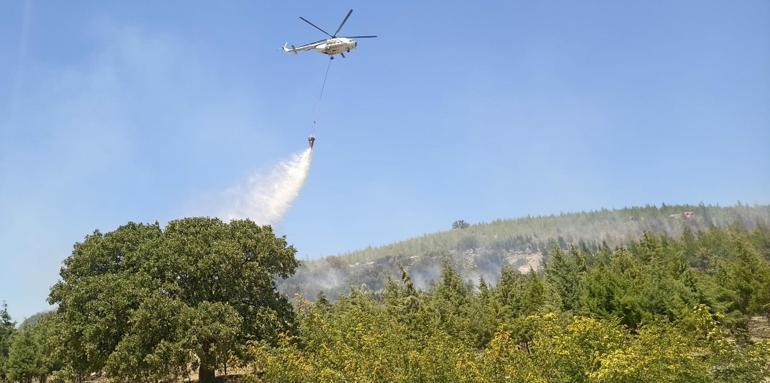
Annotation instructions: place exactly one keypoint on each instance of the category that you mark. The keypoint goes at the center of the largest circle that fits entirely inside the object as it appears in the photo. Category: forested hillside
(481, 250)
(658, 309)
(148, 304)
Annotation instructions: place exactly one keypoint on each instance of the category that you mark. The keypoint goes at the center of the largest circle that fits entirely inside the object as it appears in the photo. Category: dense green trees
(143, 304)
(7, 327)
(25, 359)
(484, 248)
(31, 350)
(658, 310)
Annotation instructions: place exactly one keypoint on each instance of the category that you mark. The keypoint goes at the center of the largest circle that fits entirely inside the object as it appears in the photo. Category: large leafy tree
(145, 303)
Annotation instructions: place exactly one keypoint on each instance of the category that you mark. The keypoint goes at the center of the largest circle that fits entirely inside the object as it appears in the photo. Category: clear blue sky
(140, 111)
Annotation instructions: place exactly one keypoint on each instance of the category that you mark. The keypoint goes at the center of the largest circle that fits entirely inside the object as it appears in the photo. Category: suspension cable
(321, 95)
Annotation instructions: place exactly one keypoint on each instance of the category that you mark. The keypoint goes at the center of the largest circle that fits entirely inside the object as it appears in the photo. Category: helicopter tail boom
(289, 50)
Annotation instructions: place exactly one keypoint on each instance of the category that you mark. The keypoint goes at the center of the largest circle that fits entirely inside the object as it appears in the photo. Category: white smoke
(266, 196)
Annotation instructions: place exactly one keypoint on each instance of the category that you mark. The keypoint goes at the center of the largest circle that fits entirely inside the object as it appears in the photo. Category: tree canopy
(145, 303)
(7, 328)
(647, 312)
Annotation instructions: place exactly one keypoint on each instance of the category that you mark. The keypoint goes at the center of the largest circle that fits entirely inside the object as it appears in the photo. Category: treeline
(483, 249)
(659, 309)
(25, 352)
(613, 226)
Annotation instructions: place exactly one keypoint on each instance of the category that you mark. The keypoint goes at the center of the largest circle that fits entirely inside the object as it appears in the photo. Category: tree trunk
(206, 373)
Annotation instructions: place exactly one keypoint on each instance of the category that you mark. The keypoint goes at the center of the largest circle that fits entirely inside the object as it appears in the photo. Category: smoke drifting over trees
(482, 250)
(145, 303)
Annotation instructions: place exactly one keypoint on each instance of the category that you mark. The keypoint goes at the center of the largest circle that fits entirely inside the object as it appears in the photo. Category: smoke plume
(267, 195)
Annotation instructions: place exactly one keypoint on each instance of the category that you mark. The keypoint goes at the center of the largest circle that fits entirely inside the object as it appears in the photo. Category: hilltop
(481, 250)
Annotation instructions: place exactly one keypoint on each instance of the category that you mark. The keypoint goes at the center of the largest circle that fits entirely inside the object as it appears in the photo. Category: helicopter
(333, 45)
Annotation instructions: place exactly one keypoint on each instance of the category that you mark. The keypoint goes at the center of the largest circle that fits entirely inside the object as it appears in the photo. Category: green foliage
(147, 304)
(523, 295)
(24, 360)
(33, 351)
(658, 310)
(555, 349)
(7, 329)
(746, 273)
(564, 272)
(460, 224)
(357, 340)
(142, 303)
(693, 351)
(484, 249)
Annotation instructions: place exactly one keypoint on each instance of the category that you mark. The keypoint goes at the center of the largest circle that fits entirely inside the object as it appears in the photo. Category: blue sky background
(142, 111)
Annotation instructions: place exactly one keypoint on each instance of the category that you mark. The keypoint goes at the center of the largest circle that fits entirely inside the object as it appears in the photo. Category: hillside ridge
(481, 250)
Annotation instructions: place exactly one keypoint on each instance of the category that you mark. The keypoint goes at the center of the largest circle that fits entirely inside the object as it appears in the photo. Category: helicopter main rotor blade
(361, 37)
(343, 23)
(315, 26)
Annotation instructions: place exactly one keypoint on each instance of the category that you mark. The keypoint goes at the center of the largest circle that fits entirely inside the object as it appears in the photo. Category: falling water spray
(267, 195)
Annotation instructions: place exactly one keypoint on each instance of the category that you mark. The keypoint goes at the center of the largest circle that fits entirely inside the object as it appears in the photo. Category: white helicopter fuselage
(331, 47)
(336, 46)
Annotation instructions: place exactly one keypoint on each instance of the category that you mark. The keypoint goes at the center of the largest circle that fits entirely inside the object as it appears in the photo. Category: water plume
(266, 196)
